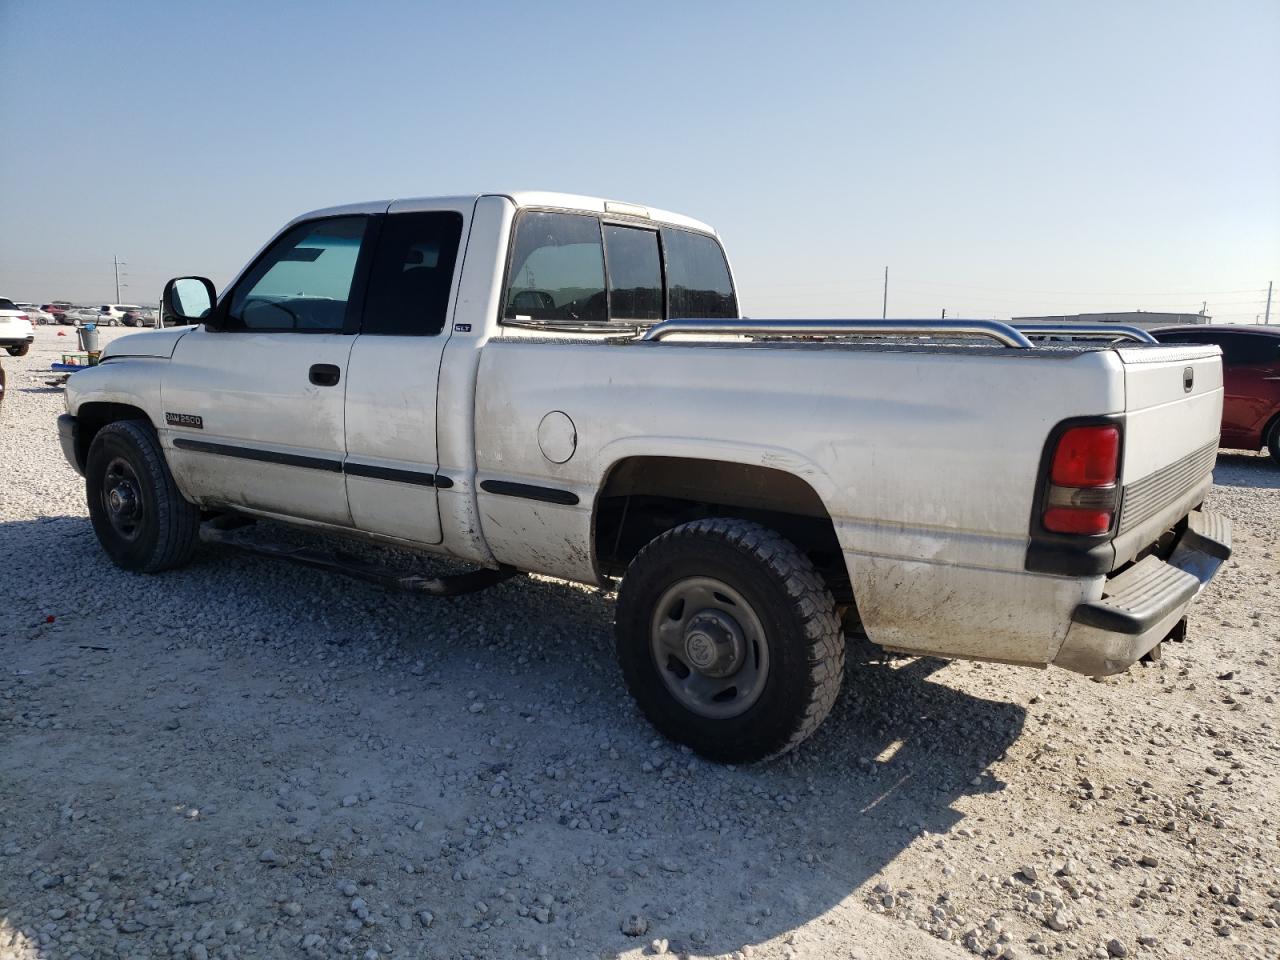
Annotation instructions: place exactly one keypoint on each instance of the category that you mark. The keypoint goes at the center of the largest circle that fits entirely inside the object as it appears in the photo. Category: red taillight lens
(1067, 520)
(1087, 457)
(1081, 498)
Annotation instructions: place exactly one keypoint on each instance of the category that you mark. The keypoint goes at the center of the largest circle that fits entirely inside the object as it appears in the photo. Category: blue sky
(1001, 158)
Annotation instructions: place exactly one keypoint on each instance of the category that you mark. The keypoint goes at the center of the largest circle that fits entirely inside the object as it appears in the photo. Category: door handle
(324, 374)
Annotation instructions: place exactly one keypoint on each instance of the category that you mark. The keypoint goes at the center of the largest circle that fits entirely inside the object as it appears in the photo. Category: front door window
(302, 284)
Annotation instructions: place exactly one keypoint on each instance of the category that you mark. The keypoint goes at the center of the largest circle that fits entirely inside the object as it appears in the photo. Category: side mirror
(187, 300)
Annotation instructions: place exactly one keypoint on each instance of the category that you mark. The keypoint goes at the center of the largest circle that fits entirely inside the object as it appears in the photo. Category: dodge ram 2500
(565, 385)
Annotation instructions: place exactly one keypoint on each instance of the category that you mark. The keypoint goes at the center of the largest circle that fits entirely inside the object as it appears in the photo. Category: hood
(153, 343)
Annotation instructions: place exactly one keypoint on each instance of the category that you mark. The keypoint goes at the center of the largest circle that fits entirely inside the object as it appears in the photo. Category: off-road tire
(792, 602)
(1273, 442)
(168, 527)
(20, 350)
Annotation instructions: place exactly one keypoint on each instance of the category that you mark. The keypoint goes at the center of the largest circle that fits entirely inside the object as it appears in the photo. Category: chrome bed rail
(992, 329)
(1087, 330)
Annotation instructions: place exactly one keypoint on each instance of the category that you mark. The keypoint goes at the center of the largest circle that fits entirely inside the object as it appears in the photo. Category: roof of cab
(528, 198)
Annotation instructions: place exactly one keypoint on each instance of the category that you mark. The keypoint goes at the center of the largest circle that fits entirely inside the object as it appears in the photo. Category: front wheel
(19, 350)
(1273, 442)
(728, 639)
(141, 520)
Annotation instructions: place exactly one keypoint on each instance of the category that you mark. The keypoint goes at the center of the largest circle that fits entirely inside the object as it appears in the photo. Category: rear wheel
(19, 350)
(1273, 441)
(141, 520)
(728, 639)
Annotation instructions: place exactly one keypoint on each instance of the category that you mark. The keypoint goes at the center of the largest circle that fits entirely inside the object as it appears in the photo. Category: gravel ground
(245, 759)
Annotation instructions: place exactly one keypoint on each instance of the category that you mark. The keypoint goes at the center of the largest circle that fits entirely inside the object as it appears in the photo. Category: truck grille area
(1148, 496)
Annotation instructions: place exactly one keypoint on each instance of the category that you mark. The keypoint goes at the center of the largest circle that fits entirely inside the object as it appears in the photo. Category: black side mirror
(187, 300)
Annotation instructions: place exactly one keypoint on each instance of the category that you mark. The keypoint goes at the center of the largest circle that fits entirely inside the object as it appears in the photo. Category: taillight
(1082, 493)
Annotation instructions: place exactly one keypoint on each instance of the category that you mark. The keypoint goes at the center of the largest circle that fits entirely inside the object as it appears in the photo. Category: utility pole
(1269, 283)
(944, 313)
(118, 263)
(884, 307)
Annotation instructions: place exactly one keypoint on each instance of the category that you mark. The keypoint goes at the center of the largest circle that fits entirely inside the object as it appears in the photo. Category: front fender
(133, 381)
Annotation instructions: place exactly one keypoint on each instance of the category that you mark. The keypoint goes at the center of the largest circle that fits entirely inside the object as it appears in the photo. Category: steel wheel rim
(122, 499)
(709, 647)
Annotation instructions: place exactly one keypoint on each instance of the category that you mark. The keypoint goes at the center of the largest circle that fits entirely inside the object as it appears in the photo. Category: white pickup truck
(565, 385)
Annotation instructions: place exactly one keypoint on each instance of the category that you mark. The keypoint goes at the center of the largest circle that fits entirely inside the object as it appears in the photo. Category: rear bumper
(69, 435)
(17, 341)
(1142, 605)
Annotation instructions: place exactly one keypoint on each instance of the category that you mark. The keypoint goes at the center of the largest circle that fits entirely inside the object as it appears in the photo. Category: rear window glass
(557, 269)
(697, 276)
(7, 304)
(635, 273)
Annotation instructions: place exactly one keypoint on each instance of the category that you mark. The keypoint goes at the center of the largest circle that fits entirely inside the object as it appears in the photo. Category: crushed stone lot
(246, 759)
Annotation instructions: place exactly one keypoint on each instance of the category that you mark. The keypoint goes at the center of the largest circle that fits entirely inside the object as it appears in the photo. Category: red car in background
(1251, 378)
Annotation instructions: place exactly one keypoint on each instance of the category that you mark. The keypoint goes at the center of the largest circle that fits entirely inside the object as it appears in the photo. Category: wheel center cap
(701, 650)
(121, 500)
(713, 643)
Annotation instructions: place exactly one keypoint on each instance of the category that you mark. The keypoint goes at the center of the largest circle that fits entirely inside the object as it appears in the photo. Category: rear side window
(557, 269)
(635, 273)
(698, 278)
(303, 282)
(412, 274)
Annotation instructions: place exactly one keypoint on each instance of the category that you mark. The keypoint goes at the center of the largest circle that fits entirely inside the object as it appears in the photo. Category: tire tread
(805, 587)
(177, 521)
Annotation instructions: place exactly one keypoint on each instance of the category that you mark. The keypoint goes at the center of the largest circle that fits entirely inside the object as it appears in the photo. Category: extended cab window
(557, 269)
(698, 278)
(635, 273)
(412, 274)
(303, 282)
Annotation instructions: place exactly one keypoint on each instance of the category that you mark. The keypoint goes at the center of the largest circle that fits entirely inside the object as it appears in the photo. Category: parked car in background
(57, 308)
(139, 317)
(79, 316)
(16, 332)
(35, 314)
(1251, 379)
(113, 314)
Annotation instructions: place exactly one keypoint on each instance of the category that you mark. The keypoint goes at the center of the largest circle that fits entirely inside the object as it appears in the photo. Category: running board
(452, 586)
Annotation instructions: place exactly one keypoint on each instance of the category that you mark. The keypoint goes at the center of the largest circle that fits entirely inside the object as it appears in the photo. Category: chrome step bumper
(1142, 605)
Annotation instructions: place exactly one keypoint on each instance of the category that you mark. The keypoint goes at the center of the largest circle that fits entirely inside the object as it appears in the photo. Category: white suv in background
(112, 314)
(16, 332)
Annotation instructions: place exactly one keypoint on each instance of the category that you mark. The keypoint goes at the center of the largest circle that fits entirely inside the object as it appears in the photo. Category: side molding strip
(390, 473)
(265, 456)
(418, 478)
(527, 491)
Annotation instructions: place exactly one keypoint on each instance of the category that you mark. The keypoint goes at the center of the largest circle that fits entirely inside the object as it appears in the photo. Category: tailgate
(1173, 416)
